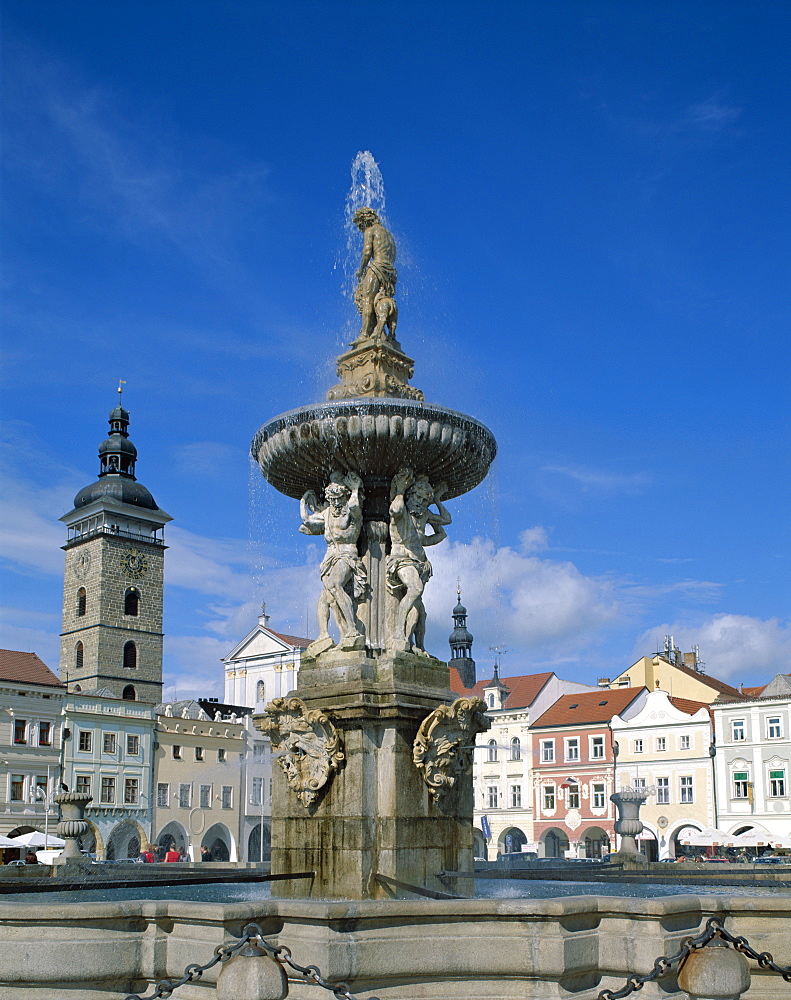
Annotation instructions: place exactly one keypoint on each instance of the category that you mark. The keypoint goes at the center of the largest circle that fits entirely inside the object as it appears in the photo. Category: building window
(683, 743)
(777, 783)
(516, 796)
(773, 728)
(549, 797)
(741, 785)
(131, 788)
(132, 602)
(205, 796)
(129, 693)
(573, 749)
(108, 743)
(661, 743)
(547, 751)
(597, 747)
(79, 656)
(108, 790)
(573, 796)
(82, 601)
(86, 740)
(222, 755)
(176, 752)
(491, 700)
(491, 753)
(639, 783)
(17, 787)
(227, 796)
(686, 789)
(737, 730)
(516, 749)
(83, 784)
(45, 734)
(257, 791)
(663, 791)
(20, 731)
(185, 796)
(259, 749)
(132, 745)
(491, 797)
(260, 691)
(638, 746)
(42, 788)
(163, 794)
(130, 656)
(198, 753)
(598, 797)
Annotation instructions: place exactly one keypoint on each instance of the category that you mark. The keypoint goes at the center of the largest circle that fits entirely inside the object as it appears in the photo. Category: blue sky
(592, 209)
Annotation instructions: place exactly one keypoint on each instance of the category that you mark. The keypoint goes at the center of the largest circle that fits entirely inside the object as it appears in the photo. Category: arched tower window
(79, 656)
(132, 602)
(82, 601)
(129, 693)
(130, 655)
(260, 691)
(491, 754)
(516, 749)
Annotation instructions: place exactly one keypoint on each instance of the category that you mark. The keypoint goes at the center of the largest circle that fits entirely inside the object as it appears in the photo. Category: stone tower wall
(104, 628)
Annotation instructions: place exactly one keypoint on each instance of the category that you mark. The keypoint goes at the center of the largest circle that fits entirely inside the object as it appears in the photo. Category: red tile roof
(688, 706)
(587, 707)
(26, 668)
(753, 692)
(522, 690)
(292, 640)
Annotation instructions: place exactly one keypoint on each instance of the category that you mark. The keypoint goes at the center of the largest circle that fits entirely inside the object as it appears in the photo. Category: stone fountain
(375, 775)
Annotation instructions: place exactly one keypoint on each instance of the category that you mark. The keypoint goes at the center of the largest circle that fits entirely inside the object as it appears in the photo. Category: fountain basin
(298, 450)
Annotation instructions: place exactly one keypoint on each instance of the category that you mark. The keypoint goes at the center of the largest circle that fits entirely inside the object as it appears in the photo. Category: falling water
(367, 190)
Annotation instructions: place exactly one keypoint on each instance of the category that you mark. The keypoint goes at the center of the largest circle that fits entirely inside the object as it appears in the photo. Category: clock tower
(113, 579)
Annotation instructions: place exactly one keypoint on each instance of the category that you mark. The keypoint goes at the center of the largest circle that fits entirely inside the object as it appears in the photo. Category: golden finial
(121, 384)
(458, 588)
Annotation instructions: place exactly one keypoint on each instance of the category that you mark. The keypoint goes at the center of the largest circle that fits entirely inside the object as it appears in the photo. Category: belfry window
(79, 656)
(129, 693)
(132, 602)
(82, 601)
(130, 655)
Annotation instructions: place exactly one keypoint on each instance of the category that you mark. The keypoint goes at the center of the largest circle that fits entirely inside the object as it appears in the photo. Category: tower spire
(460, 641)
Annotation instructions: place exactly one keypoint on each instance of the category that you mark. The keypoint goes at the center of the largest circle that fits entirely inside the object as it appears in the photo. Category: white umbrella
(759, 838)
(37, 839)
(710, 837)
(6, 842)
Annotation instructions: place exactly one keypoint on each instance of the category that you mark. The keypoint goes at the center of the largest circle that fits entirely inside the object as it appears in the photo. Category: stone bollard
(715, 972)
(72, 825)
(252, 975)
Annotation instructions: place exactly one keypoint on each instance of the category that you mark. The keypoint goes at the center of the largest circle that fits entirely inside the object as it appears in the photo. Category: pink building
(574, 771)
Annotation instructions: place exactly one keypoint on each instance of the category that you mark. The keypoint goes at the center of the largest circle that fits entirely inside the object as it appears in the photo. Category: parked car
(118, 861)
(773, 859)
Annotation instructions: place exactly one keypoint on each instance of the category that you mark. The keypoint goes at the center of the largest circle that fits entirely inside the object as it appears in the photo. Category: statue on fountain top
(376, 278)
(408, 570)
(339, 520)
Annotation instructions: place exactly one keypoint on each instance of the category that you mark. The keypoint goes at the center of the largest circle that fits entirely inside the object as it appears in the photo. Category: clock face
(134, 563)
(82, 564)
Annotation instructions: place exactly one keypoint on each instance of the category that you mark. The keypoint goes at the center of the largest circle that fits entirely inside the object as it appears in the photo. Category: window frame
(571, 747)
(685, 742)
(548, 798)
(107, 790)
(131, 791)
(663, 791)
(770, 725)
(573, 796)
(85, 736)
(185, 795)
(738, 726)
(597, 743)
(163, 795)
(599, 788)
(20, 737)
(740, 785)
(686, 789)
(516, 796)
(132, 745)
(777, 786)
(492, 797)
(491, 752)
(515, 747)
(547, 751)
(204, 796)
(109, 743)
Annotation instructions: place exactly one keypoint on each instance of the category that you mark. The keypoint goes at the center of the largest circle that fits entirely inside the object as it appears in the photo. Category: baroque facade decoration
(444, 743)
(308, 747)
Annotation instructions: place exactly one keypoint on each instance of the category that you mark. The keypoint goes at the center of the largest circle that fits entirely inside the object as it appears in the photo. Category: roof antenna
(498, 651)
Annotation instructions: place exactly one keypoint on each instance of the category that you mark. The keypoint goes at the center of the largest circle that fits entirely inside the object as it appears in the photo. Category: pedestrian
(147, 854)
(184, 856)
(31, 858)
(205, 853)
(172, 854)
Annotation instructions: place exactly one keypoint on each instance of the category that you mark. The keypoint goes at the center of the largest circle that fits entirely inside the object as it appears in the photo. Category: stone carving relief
(342, 571)
(445, 741)
(408, 569)
(307, 745)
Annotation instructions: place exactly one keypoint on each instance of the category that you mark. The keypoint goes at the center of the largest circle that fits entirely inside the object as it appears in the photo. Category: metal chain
(714, 928)
(251, 932)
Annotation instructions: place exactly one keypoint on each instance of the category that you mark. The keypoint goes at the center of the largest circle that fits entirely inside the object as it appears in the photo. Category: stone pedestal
(375, 815)
(374, 366)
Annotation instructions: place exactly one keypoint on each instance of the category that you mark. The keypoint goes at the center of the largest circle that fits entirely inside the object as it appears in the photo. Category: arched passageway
(555, 843)
(254, 852)
(220, 842)
(125, 841)
(511, 841)
(596, 842)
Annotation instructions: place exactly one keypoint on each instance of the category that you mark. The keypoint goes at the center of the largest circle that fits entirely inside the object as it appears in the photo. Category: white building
(263, 666)
(753, 742)
(665, 747)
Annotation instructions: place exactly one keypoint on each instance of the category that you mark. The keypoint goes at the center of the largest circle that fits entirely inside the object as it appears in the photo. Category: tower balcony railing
(113, 530)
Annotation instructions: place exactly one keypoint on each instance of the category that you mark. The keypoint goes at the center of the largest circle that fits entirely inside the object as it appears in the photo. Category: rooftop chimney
(604, 682)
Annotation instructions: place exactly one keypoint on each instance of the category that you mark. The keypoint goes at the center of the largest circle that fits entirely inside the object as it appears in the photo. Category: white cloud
(735, 648)
(533, 540)
(599, 479)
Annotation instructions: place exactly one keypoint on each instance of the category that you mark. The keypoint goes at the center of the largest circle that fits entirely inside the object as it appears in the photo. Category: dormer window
(491, 700)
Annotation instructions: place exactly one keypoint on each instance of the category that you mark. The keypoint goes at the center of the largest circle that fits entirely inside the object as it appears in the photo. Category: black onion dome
(116, 487)
(459, 609)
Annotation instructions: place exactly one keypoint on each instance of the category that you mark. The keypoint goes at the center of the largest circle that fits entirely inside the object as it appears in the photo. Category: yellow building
(680, 674)
(665, 749)
(198, 781)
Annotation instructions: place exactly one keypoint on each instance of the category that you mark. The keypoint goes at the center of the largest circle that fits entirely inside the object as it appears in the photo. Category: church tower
(461, 644)
(113, 579)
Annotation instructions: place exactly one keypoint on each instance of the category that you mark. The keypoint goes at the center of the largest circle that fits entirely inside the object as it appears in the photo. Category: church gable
(260, 642)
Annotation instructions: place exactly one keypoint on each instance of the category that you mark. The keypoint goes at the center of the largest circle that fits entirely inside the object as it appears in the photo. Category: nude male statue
(408, 570)
(376, 275)
(341, 570)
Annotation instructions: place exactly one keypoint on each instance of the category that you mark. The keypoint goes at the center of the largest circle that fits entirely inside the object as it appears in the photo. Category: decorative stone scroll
(308, 746)
(445, 741)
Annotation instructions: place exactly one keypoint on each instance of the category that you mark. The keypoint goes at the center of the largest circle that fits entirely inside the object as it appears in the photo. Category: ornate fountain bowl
(298, 450)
